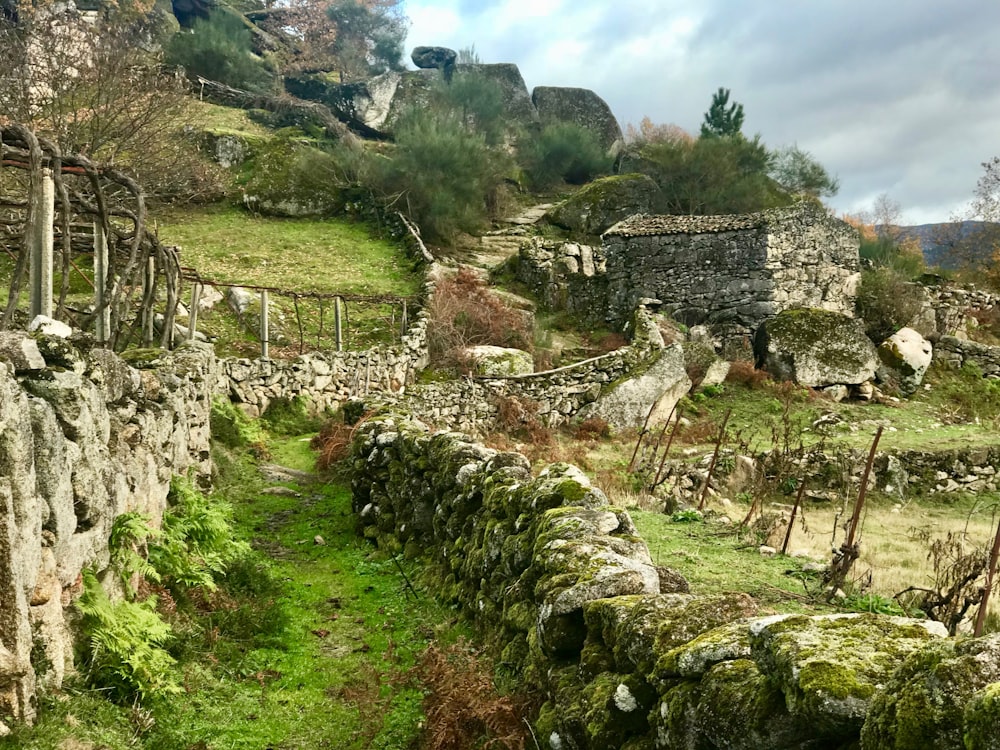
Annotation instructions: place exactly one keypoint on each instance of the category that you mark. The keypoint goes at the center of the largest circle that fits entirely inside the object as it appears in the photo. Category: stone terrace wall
(83, 438)
(957, 352)
(564, 588)
(732, 272)
(328, 379)
(472, 405)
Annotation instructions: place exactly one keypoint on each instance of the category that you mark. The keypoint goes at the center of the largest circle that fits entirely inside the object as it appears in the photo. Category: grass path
(320, 659)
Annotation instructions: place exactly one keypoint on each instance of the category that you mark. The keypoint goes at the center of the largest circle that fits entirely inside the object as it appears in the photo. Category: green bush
(124, 650)
(442, 174)
(219, 48)
(477, 102)
(564, 151)
(886, 302)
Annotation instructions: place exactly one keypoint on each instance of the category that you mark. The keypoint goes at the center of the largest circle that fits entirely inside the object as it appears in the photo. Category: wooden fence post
(264, 343)
(102, 323)
(193, 310)
(148, 294)
(337, 324)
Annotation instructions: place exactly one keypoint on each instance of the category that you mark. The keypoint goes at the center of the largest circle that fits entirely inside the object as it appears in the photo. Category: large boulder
(434, 57)
(943, 697)
(604, 202)
(580, 106)
(816, 348)
(905, 357)
(629, 402)
(498, 361)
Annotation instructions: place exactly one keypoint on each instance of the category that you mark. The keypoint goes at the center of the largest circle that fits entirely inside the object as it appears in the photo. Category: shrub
(220, 48)
(124, 652)
(886, 302)
(444, 175)
(332, 443)
(462, 705)
(463, 313)
(593, 428)
(744, 373)
(197, 540)
(518, 417)
(564, 151)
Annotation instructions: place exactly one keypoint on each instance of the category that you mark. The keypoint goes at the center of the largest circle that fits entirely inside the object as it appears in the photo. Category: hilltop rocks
(434, 57)
(905, 357)
(604, 202)
(579, 106)
(816, 348)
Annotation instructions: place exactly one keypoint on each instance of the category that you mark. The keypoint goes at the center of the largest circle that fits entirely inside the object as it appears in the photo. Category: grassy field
(227, 245)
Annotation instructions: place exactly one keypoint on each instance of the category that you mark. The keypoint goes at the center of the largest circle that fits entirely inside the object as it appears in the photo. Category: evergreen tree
(722, 119)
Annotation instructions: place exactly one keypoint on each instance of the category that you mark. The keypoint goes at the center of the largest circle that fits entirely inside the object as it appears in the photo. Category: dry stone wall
(553, 397)
(84, 437)
(562, 585)
(326, 380)
(732, 272)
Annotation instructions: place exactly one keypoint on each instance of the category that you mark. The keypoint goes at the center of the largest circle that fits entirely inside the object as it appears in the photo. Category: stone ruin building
(731, 272)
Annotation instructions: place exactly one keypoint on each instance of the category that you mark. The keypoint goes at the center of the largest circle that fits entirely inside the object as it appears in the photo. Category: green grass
(229, 245)
(317, 657)
(715, 558)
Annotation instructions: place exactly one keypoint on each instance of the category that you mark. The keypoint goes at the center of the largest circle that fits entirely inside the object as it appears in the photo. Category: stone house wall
(732, 272)
(84, 437)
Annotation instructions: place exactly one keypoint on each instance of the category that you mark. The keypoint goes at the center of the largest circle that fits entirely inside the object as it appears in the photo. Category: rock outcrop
(578, 106)
(603, 203)
(816, 348)
(905, 357)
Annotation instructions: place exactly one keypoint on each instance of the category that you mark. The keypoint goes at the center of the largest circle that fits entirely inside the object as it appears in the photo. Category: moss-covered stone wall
(560, 582)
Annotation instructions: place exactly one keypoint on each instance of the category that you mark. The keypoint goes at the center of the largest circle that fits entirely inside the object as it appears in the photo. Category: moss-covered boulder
(944, 697)
(627, 403)
(982, 719)
(829, 668)
(291, 178)
(603, 203)
(815, 348)
(498, 361)
(733, 706)
(781, 681)
(579, 106)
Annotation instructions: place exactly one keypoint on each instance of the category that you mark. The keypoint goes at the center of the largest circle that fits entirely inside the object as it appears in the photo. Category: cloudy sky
(892, 96)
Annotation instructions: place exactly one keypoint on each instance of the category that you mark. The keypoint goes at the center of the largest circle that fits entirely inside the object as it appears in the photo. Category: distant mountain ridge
(936, 239)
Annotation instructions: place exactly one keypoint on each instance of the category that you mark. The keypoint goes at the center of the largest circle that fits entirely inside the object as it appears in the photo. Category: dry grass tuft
(463, 707)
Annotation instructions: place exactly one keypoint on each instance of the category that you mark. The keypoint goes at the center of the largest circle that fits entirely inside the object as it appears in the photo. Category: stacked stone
(327, 380)
(85, 437)
(564, 587)
(957, 352)
(732, 271)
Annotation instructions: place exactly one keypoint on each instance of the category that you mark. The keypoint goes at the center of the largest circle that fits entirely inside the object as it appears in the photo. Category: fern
(130, 533)
(197, 539)
(124, 650)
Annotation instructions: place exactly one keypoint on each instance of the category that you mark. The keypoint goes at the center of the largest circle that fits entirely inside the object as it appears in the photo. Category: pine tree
(722, 120)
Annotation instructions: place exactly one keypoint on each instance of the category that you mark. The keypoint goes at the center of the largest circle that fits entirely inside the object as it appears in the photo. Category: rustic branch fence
(47, 195)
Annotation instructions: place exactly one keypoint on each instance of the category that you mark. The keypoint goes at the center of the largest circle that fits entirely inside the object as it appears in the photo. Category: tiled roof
(642, 225)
